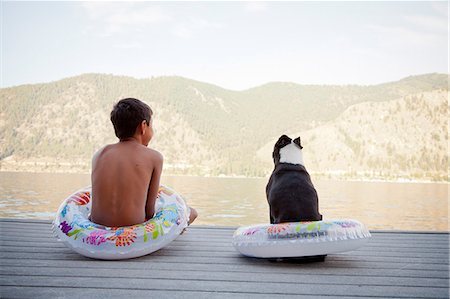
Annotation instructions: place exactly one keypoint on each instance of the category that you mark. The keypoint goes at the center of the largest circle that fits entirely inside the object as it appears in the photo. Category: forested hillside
(406, 137)
(203, 129)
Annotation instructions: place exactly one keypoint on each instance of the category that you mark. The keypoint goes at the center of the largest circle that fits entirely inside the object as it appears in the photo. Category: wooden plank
(442, 258)
(95, 293)
(236, 259)
(225, 276)
(357, 266)
(394, 249)
(183, 246)
(441, 255)
(255, 268)
(278, 287)
(24, 220)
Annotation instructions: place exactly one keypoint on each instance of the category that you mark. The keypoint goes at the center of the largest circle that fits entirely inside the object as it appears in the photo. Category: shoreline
(315, 176)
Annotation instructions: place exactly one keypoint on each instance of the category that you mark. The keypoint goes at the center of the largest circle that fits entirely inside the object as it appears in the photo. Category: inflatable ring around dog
(73, 227)
(300, 239)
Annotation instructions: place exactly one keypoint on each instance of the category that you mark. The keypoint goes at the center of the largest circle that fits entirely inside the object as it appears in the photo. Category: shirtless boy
(126, 175)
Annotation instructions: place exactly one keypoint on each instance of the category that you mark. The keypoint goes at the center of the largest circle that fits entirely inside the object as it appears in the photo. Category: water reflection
(237, 201)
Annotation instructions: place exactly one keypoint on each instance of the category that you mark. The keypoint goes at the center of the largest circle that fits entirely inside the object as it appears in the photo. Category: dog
(290, 193)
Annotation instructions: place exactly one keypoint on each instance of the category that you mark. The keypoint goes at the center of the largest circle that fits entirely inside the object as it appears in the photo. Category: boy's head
(127, 115)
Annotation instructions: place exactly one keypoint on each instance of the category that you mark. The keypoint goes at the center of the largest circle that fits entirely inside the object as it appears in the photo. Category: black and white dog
(290, 192)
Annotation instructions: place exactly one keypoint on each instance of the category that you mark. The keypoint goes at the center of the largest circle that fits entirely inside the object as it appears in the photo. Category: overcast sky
(236, 45)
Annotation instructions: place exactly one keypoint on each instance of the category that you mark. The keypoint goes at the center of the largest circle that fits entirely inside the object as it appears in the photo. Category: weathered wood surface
(202, 263)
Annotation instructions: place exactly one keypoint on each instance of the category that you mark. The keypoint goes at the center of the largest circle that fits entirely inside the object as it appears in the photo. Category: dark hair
(127, 114)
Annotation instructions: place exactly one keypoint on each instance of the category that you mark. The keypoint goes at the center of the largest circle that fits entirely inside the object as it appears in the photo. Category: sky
(235, 45)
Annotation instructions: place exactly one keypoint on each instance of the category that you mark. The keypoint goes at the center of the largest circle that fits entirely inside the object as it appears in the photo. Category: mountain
(203, 129)
(406, 137)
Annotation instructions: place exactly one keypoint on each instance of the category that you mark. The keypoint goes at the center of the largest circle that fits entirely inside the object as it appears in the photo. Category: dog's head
(287, 150)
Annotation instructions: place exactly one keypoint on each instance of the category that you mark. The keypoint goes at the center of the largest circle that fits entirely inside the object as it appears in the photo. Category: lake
(242, 201)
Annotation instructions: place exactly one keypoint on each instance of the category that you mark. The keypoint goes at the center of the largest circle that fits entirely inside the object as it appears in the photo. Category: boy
(126, 175)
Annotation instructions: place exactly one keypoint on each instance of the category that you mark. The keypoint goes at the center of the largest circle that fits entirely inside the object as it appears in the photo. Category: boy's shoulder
(101, 150)
(154, 154)
(146, 152)
(140, 151)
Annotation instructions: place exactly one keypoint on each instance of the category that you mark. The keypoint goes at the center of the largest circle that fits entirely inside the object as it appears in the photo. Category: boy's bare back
(125, 176)
(125, 182)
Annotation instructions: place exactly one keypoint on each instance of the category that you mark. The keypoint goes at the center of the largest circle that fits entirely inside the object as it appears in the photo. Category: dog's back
(290, 192)
(291, 195)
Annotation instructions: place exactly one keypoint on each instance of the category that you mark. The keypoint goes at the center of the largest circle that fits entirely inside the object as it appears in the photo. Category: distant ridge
(203, 129)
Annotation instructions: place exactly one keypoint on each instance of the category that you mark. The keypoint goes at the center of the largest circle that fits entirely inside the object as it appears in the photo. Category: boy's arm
(154, 186)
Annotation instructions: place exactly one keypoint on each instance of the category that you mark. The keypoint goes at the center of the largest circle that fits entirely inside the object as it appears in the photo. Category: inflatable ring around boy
(300, 239)
(73, 227)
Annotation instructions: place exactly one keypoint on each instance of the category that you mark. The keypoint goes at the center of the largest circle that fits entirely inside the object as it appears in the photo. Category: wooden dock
(202, 263)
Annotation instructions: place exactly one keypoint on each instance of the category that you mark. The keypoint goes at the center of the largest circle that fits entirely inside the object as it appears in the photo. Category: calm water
(237, 201)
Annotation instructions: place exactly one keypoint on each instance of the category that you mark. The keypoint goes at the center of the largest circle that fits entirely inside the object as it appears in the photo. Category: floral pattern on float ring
(150, 227)
(345, 224)
(96, 237)
(65, 227)
(277, 228)
(65, 210)
(251, 231)
(123, 236)
(80, 199)
(82, 222)
(167, 214)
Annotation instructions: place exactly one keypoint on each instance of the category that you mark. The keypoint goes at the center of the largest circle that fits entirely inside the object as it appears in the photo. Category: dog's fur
(290, 192)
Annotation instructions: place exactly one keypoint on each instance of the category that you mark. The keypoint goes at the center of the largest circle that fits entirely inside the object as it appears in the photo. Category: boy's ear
(143, 126)
(298, 142)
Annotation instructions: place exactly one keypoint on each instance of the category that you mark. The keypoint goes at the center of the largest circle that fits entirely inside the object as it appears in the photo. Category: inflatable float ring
(73, 227)
(300, 239)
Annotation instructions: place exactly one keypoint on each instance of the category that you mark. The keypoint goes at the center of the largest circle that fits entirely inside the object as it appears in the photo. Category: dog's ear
(283, 141)
(298, 142)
